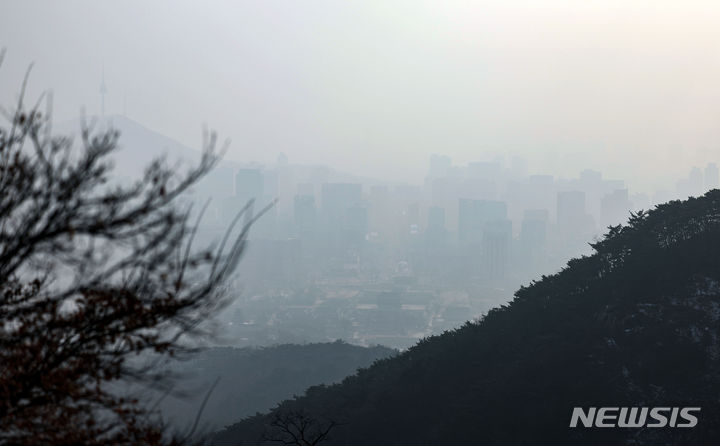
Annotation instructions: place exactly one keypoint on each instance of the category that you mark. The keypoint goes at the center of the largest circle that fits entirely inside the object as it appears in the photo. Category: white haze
(373, 88)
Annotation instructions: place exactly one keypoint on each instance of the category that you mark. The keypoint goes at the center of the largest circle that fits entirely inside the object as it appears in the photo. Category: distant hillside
(256, 379)
(636, 324)
(138, 145)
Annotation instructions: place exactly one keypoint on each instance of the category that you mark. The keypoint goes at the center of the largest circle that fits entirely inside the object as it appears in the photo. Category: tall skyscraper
(570, 208)
(696, 181)
(497, 236)
(336, 197)
(305, 215)
(473, 214)
(533, 231)
(436, 218)
(344, 217)
(615, 208)
(712, 178)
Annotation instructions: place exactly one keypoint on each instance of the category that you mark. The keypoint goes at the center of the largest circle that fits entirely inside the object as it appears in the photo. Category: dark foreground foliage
(635, 324)
(92, 275)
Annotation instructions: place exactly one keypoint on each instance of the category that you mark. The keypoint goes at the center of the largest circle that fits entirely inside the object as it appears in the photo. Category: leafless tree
(297, 428)
(92, 275)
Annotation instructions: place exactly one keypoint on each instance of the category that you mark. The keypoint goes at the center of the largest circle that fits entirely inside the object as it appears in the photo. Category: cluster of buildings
(388, 263)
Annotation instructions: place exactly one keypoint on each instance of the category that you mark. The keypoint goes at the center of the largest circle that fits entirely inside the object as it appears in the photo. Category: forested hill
(634, 324)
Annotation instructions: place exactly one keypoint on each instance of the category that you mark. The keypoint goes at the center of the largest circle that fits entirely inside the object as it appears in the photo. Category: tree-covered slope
(634, 324)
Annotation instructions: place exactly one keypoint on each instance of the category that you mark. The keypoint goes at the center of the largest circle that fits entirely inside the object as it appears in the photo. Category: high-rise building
(355, 228)
(533, 239)
(615, 208)
(271, 185)
(472, 216)
(640, 200)
(218, 183)
(435, 231)
(344, 216)
(712, 177)
(306, 189)
(336, 197)
(696, 181)
(305, 214)
(533, 231)
(436, 218)
(379, 214)
(497, 236)
(575, 226)
(412, 215)
(570, 208)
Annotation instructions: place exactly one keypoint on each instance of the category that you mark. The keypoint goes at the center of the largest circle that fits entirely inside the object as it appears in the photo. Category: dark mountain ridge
(635, 324)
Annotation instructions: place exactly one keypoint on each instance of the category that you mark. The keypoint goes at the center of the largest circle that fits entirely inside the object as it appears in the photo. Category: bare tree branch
(92, 275)
(298, 428)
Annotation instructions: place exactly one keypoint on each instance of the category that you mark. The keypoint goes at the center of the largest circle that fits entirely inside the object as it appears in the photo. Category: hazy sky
(373, 87)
